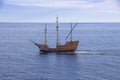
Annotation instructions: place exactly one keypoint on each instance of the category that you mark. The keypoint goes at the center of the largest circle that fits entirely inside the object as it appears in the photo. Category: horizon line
(64, 22)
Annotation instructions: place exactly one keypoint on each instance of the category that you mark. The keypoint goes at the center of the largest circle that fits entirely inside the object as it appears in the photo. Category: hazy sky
(67, 10)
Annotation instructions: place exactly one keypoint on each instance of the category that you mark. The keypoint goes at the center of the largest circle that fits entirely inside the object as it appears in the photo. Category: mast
(45, 34)
(57, 42)
(71, 33)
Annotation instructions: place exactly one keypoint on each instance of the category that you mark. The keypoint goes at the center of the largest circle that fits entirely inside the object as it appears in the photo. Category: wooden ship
(70, 46)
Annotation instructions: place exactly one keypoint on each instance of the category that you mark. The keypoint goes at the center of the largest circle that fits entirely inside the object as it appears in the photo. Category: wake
(99, 52)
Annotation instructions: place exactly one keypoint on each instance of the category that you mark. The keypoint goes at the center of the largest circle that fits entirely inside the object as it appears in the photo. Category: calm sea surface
(97, 56)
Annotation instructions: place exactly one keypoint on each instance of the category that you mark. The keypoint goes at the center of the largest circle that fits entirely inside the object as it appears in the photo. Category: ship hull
(56, 51)
(68, 47)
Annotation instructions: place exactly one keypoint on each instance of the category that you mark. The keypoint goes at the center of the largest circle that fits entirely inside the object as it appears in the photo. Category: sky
(66, 10)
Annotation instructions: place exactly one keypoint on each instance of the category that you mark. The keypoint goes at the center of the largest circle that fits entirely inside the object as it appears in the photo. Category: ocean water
(97, 56)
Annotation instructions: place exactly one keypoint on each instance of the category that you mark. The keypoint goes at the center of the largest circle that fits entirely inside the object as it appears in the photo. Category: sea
(96, 58)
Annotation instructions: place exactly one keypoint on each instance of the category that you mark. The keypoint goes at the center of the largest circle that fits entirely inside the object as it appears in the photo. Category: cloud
(52, 3)
(95, 1)
(118, 2)
(100, 6)
(107, 6)
(64, 3)
(1, 3)
(87, 10)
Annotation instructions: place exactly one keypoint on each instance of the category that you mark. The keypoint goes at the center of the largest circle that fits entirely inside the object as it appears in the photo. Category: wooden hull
(68, 47)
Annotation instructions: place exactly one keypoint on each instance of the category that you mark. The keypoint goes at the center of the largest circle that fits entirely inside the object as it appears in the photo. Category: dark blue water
(97, 57)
